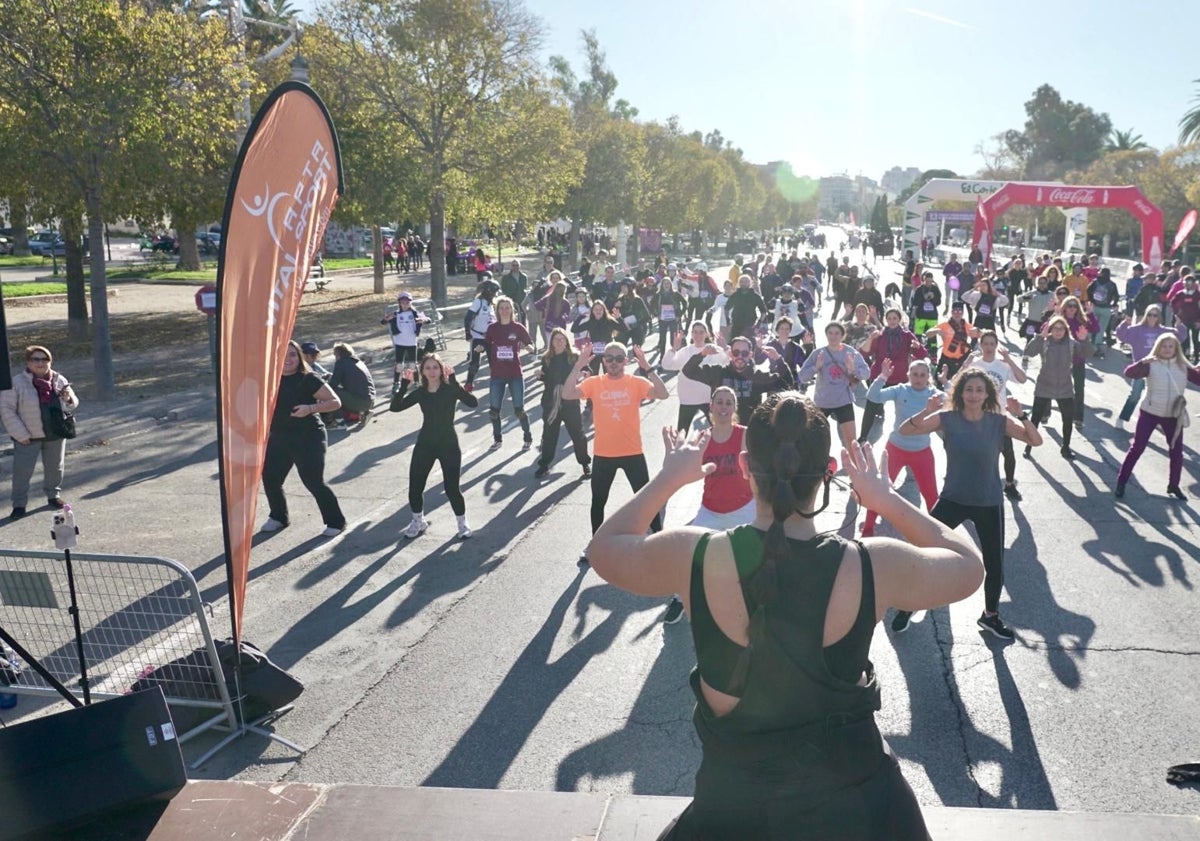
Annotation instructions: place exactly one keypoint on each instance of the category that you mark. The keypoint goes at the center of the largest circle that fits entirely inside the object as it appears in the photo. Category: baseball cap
(1138, 267)
(956, 306)
(404, 296)
(310, 348)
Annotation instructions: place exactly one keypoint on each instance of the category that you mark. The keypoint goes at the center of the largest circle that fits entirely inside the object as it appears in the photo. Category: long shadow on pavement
(486, 750)
(657, 745)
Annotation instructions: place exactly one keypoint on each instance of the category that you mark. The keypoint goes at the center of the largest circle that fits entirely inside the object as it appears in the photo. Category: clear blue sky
(863, 85)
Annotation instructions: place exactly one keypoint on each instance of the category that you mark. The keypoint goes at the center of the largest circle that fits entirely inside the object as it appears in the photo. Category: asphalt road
(497, 662)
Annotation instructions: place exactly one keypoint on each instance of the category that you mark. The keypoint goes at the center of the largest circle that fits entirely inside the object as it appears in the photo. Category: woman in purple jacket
(1140, 337)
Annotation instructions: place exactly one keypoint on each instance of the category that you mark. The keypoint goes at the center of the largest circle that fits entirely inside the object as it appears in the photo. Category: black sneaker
(674, 612)
(583, 561)
(56, 502)
(541, 471)
(587, 471)
(1173, 490)
(17, 513)
(901, 621)
(1028, 451)
(1010, 491)
(996, 625)
(1119, 491)
(1067, 453)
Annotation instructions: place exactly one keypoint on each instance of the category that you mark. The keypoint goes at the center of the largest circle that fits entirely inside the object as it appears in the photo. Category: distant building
(897, 180)
(841, 194)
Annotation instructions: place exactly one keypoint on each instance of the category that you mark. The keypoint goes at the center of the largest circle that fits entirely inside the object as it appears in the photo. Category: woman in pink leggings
(911, 451)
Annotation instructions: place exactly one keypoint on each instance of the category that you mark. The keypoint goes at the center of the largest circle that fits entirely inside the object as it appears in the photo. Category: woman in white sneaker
(298, 440)
(438, 394)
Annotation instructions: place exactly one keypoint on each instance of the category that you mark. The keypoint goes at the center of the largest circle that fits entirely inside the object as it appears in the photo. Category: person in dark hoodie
(744, 308)
(352, 382)
(747, 382)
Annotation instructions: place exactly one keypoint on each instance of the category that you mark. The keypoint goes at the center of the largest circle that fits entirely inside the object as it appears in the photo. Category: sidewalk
(335, 812)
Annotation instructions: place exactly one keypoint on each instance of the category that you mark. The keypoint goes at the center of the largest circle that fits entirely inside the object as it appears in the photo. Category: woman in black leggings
(438, 395)
(973, 431)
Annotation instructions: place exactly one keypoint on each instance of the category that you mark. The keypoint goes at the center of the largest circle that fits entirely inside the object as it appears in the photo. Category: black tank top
(786, 678)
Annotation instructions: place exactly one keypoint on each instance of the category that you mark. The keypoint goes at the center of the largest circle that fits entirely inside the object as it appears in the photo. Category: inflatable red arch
(1129, 198)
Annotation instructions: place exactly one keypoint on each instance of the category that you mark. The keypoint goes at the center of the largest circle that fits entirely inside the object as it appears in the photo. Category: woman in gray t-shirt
(973, 430)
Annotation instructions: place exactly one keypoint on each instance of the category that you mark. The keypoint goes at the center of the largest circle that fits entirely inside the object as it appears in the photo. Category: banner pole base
(257, 728)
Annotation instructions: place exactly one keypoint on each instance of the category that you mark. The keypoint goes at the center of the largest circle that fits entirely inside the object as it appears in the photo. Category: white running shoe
(464, 531)
(416, 527)
(330, 531)
(271, 525)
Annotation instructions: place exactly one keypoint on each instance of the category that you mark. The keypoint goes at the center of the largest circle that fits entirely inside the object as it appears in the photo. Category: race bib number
(630, 320)
(929, 306)
(984, 309)
(598, 348)
(667, 313)
(1031, 330)
(504, 353)
(1100, 297)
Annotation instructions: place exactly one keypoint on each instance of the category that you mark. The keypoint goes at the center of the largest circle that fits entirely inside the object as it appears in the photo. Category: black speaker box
(67, 769)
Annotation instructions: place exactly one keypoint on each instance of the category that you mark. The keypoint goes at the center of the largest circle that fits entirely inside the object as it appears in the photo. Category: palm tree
(1189, 125)
(1124, 141)
(272, 11)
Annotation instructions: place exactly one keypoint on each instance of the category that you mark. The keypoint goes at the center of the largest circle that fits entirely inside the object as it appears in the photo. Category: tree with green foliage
(88, 80)
(926, 176)
(1124, 141)
(462, 77)
(1059, 136)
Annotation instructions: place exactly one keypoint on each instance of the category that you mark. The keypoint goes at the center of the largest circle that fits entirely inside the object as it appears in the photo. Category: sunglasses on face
(39, 359)
(608, 357)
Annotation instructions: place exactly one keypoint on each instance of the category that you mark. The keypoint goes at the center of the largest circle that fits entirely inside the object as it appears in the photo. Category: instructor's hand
(868, 480)
(683, 460)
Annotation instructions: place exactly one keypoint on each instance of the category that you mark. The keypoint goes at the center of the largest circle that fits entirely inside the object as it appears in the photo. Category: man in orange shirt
(957, 336)
(1077, 282)
(616, 403)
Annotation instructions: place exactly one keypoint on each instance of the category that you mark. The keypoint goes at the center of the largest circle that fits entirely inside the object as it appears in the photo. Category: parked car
(46, 243)
(208, 242)
(6, 245)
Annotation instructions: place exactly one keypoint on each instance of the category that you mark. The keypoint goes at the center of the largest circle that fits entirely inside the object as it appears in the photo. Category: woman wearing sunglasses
(22, 409)
(1083, 324)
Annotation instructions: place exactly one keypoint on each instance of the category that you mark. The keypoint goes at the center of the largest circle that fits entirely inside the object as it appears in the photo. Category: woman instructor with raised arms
(782, 618)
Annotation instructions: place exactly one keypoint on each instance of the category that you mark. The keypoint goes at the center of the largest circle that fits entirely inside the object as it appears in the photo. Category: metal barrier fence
(136, 615)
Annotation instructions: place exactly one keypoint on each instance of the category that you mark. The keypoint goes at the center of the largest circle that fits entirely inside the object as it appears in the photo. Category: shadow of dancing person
(782, 619)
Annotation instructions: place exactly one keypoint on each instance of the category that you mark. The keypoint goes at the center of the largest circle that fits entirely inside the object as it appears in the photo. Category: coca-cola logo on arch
(1073, 198)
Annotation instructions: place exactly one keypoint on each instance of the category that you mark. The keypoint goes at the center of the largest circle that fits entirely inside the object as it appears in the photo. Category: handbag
(56, 421)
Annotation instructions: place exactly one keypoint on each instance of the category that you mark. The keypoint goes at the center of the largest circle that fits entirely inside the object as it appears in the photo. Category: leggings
(687, 414)
(1066, 408)
(568, 413)
(871, 411)
(474, 357)
(666, 332)
(1146, 424)
(920, 462)
(1010, 461)
(307, 455)
(450, 457)
(989, 525)
(604, 471)
(1193, 332)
